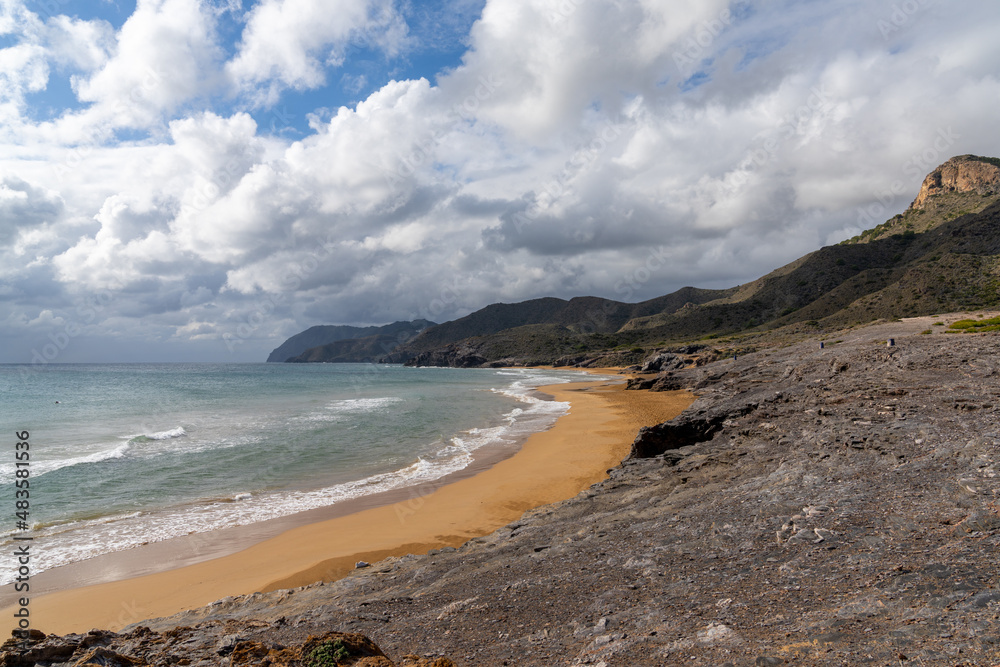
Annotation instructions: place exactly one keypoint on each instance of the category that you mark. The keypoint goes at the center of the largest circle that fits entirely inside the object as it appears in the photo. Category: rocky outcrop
(456, 355)
(662, 362)
(965, 173)
(231, 643)
(689, 428)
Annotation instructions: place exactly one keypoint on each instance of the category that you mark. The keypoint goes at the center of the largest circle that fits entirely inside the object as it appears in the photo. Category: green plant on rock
(328, 654)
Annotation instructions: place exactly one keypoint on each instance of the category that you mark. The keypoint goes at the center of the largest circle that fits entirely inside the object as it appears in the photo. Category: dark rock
(227, 643)
(980, 522)
(661, 361)
(983, 600)
(102, 657)
(687, 429)
(640, 384)
(668, 382)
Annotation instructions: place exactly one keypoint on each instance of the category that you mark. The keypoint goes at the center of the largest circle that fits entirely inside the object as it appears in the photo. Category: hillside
(352, 350)
(942, 254)
(327, 334)
(546, 328)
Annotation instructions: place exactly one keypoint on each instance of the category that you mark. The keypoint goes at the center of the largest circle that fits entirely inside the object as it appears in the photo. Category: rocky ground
(833, 506)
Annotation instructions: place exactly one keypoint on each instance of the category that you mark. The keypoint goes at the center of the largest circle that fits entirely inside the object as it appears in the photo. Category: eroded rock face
(231, 643)
(965, 173)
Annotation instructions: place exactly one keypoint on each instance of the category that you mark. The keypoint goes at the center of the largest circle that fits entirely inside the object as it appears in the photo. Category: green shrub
(990, 160)
(975, 326)
(328, 654)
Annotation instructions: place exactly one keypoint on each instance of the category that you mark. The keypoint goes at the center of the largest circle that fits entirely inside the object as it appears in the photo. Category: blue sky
(199, 179)
(436, 37)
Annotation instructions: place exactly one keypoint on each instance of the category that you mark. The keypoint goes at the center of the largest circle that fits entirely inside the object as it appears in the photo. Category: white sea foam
(167, 435)
(80, 540)
(363, 404)
(41, 467)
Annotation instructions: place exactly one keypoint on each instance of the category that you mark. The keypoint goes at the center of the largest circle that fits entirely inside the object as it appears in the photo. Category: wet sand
(168, 577)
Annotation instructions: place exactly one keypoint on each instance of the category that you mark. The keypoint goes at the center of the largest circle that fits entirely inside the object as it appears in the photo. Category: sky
(196, 180)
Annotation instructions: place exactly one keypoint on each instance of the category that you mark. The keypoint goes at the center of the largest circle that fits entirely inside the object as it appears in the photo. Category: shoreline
(325, 543)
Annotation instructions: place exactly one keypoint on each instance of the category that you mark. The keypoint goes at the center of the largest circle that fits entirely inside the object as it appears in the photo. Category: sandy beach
(550, 466)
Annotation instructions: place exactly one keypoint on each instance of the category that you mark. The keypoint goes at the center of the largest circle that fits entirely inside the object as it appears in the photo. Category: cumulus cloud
(289, 43)
(572, 140)
(24, 206)
(164, 56)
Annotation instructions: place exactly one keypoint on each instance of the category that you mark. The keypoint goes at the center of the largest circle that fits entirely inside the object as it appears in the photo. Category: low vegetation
(976, 326)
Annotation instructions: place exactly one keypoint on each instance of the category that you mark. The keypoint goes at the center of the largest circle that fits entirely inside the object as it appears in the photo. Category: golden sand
(551, 466)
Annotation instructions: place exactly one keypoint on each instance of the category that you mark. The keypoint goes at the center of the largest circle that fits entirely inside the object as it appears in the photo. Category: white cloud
(24, 206)
(165, 56)
(571, 142)
(81, 45)
(290, 43)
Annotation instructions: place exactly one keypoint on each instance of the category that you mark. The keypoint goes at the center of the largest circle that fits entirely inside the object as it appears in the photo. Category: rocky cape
(333, 343)
(833, 504)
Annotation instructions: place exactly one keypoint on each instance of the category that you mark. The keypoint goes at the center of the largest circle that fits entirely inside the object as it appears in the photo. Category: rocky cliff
(965, 173)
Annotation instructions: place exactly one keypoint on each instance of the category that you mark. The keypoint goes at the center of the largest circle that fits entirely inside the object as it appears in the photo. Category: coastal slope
(830, 504)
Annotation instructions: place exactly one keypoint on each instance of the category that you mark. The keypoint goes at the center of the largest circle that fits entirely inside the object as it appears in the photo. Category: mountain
(942, 254)
(545, 319)
(389, 337)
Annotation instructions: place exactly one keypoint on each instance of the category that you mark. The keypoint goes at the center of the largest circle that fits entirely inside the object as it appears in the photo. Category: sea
(127, 454)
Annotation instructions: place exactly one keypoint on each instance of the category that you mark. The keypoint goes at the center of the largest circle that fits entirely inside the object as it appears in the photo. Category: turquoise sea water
(123, 454)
